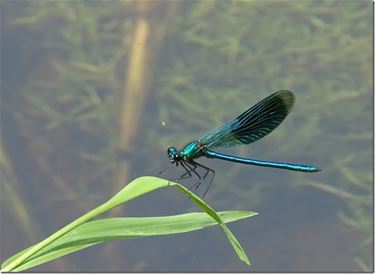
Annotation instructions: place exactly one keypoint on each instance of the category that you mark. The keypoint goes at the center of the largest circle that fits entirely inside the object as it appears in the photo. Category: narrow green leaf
(205, 207)
(103, 230)
(134, 189)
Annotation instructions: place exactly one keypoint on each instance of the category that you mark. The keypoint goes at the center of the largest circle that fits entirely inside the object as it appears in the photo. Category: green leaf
(81, 233)
(103, 230)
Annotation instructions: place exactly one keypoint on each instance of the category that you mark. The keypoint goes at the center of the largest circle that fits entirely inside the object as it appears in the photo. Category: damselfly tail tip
(317, 169)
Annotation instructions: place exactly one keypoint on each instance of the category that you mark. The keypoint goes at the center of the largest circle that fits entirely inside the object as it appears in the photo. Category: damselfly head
(173, 155)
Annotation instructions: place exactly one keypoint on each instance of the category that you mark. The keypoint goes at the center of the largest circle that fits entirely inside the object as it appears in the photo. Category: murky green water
(65, 65)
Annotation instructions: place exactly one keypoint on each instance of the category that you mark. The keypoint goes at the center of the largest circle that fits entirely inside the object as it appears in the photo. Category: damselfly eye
(172, 154)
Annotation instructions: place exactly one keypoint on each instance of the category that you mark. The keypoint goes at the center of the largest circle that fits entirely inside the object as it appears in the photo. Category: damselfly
(250, 126)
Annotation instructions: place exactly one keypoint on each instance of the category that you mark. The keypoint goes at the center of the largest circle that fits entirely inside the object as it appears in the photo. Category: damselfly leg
(208, 170)
(191, 168)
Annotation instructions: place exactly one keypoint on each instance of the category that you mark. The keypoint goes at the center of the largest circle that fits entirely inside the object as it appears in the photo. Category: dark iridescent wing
(254, 123)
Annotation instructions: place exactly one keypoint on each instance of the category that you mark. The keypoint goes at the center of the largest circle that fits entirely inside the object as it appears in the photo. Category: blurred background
(93, 93)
